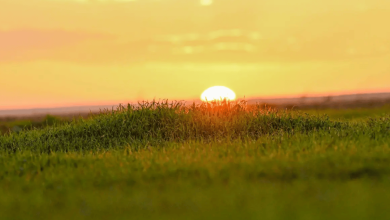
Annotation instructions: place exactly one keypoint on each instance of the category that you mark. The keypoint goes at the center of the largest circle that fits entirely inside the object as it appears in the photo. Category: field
(209, 161)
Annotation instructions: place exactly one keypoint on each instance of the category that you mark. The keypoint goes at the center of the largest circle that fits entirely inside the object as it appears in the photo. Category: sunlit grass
(218, 160)
(156, 123)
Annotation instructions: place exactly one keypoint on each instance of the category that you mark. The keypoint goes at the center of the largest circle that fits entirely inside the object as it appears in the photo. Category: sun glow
(218, 93)
(206, 2)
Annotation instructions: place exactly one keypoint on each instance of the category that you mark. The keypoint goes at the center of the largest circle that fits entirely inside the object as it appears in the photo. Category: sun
(218, 93)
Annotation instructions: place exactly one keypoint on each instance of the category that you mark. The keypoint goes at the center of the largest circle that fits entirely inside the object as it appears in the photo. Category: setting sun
(218, 93)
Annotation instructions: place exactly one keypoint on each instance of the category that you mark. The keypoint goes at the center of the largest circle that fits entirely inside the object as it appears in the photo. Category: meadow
(165, 160)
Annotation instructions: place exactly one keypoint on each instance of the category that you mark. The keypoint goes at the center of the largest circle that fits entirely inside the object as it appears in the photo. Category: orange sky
(80, 52)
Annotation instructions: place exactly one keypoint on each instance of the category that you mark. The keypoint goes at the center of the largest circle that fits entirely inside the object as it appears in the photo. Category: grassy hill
(207, 161)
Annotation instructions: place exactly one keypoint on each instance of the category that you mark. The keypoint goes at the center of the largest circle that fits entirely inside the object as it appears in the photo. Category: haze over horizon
(70, 52)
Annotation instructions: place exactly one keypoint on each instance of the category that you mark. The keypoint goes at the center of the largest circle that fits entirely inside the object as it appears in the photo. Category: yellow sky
(66, 52)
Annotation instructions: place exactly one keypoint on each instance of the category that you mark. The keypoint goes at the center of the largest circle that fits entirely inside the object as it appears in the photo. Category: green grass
(168, 161)
(17, 125)
(354, 114)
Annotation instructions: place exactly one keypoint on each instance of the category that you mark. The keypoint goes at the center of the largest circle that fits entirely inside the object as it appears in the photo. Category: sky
(85, 52)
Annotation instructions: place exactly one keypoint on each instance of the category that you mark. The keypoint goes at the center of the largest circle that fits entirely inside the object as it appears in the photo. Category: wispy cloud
(25, 44)
(272, 31)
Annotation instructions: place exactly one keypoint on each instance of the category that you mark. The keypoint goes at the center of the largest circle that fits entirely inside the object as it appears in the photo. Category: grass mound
(155, 123)
(161, 160)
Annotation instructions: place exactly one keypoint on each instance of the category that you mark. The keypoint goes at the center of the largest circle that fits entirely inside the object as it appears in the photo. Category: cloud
(28, 44)
(327, 36)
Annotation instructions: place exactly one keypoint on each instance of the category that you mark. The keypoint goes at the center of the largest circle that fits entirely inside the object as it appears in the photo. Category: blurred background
(63, 53)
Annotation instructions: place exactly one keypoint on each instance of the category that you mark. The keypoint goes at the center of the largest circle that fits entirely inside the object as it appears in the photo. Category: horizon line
(118, 102)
